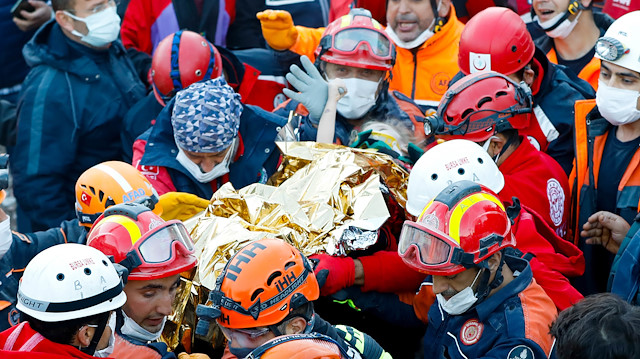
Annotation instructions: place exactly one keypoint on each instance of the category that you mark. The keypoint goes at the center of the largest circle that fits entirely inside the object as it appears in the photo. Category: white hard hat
(446, 163)
(620, 45)
(69, 281)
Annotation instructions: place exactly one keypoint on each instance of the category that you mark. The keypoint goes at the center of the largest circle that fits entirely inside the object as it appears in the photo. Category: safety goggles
(610, 49)
(162, 245)
(434, 249)
(245, 338)
(349, 40)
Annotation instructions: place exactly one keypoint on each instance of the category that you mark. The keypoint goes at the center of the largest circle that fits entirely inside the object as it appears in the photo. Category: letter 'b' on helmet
(620, 44)
(141, 241)
(464, 225)
(181, 59)
(69, 281)
(107, 184)
(495, 39)
(262, 283)
(447, 163)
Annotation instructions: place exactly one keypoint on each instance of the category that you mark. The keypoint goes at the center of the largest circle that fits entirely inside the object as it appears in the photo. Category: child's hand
(337, 89)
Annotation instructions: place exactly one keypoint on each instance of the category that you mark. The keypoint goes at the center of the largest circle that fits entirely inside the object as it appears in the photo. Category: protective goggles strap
(79, 304)
(212, 63)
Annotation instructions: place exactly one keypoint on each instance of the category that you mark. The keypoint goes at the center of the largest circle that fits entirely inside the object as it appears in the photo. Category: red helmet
(260, 286)
(479, 105)
(357, 40)
(483, 48)
(143, 242)
(181, 59)
(464, 225)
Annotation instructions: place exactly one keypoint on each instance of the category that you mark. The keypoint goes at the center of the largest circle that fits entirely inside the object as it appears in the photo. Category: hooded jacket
(69, 119)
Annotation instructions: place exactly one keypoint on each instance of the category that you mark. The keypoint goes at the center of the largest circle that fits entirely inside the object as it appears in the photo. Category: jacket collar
(517, 285)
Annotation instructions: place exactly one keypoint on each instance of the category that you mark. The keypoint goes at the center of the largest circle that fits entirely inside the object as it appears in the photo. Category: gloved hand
(181, 205)
(333, 273)
(193, 356)
(2, 195)
(278, 29)
(312, 86)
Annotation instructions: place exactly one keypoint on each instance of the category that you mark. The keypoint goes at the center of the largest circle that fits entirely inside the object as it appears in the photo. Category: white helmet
(621, 43)
(449, 162)
(69, 281)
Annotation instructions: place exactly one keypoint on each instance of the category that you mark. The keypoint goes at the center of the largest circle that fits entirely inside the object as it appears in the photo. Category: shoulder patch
(556, 197)
(521, 352)
(471, 332)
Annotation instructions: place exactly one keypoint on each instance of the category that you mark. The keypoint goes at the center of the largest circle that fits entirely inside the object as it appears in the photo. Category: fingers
(293, 95)
(310, 68)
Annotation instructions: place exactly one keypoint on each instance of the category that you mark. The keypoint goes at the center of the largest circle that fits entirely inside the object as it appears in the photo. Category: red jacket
(540, 184)
(23, 342)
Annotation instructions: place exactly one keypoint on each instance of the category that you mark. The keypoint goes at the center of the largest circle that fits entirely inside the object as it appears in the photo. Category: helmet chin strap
(97, 335)
(484, 288)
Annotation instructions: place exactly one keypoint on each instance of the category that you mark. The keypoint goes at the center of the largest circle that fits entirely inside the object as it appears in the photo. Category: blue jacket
(13, 69)
(559, 89)
(23, 248)
(385, 107)
(513, 323)
(624, 279)
(69, 119)
(259, 160)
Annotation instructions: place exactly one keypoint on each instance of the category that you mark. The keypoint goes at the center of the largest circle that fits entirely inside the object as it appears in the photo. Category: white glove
(312, 87)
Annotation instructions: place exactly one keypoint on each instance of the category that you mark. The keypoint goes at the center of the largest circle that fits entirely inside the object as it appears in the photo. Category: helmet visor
(159, 246)
(348, 40)
(433, 249)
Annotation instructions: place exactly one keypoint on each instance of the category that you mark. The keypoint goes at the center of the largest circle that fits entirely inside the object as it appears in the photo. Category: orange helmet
(260, 286)
(181, 59)
(110, 183)
(479, 105)
(357, 40)
(464, 225)
(142, 242)
(300, 346)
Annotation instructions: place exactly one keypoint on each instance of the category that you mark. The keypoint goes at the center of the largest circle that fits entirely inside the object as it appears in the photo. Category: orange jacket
(423, 74)
(590, 72)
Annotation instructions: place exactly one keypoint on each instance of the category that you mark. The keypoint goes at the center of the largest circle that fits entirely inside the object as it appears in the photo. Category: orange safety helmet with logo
(356, 40)
(110, 183)
(260, 286)
(142, 242)
(464, 225)
(181, 59)
(480, 105)
(300, 346)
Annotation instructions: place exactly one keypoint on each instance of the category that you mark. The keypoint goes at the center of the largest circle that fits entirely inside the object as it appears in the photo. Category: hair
(62, 4)
(601, 326)
(393, 124)
(64, 331)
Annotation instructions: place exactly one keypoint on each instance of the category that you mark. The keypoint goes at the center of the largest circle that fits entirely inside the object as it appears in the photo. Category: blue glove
(312, 86)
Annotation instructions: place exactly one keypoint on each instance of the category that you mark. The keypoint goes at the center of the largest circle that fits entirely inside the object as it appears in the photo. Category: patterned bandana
(206, 116)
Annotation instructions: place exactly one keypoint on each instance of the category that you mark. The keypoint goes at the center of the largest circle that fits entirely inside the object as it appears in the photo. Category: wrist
(358, 273)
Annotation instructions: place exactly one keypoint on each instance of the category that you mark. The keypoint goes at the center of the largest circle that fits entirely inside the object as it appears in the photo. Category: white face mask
(361, 96)
(561, 31)
(6, 238)
(104, 353)
(131, 329)
(618, 106)
(424, 36)
(461, 302)
(104, 27)
(218, 170)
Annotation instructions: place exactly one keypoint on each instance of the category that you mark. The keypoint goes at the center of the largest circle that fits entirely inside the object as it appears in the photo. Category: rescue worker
(571, 29)
(357, 50)
(196, 149)
(267, 290)
(552, 259)
(607, 140)
(66, 298)
(511, 52)
(463, 241)
(154, 252)
(426, 34)
(98, 188)
(490, 109)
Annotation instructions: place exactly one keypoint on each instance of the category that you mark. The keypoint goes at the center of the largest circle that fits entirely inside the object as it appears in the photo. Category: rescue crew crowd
(516, 121)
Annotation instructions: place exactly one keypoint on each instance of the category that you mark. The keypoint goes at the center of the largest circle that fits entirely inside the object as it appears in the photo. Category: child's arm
(327, 124)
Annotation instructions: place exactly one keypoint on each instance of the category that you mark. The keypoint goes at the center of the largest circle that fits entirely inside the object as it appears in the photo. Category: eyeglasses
(99, 8)
(245, 337)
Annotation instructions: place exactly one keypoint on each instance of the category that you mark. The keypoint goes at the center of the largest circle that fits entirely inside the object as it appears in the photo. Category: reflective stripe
(548, 129)
(124, 184)
(457, 345)
(278, 79)
(127, 223)
(459, 210)
(427, 103)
